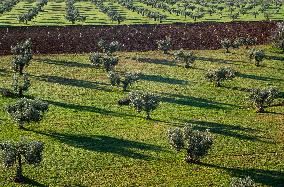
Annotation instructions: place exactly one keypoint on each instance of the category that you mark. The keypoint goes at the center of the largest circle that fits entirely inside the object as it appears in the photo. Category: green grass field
(54, 14)
(91, 141)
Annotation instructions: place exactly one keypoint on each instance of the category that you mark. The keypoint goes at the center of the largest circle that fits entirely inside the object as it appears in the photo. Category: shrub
(14, 153)
(196, 143)
(142, 101)
(72, 13)
(27, 110)
(23, 56)
(262, 98)
(186, 57)
(278, 36)
(220, 74)
(109, 48)
(126, 80)
(165, 45)
(104, 61)
(226, 44)
(242, 182)
(257, 56)
(21, 87)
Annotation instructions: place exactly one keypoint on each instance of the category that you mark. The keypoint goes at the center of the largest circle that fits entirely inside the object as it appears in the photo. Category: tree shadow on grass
(74, 82)
(157, 61)
(259, 78)
(234, 131)
(65, 63)
(106, 144)
(194, 101)
(32, 182)
(279, 58)
(265, 177)
(159, 78)
(216, 60)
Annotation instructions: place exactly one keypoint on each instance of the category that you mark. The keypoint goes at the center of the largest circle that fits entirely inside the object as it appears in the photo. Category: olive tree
(19, 153)
(165, 45)
(196, 143)
(126, 79)
(104, 61)
(278, 36)
(226, 44)
(219, 75)
(242, 182)
(187, 58)
(109, 48)
(262, 98)
(26, 111)
(143, 101)
(23, 55)
(257, 56)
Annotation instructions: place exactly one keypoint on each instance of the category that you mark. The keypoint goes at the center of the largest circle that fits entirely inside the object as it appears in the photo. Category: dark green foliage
(196, 143)
(23, 55)
(21, 87)
(13, 153)
(7, 6)
(27, 110)
(257, 56)
(262, 98)
(187, 58)
(126, 79)
(242, 182)
(142, 101)
(104, 61)
(109, 48)
(72, 13)
(278, 36)
(226, 44)
(32, 12)
(165, 45)
(219, 75)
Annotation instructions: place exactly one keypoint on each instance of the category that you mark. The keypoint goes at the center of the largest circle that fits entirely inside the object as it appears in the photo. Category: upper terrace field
(108, 12)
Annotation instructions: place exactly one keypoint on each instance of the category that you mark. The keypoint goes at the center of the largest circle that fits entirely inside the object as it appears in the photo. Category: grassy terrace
(54, 14)
(90, 140)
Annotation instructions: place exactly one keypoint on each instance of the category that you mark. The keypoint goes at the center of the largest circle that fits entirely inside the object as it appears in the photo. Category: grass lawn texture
(91, 141)
(53, 14)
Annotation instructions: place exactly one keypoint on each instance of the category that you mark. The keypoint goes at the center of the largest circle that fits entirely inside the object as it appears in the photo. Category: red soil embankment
(83, 39)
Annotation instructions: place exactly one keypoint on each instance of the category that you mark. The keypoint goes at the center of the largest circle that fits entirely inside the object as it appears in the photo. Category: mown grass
(54, 14)
(91, 141)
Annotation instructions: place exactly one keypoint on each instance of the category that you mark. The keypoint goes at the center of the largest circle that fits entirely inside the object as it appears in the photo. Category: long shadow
(194, 101)
(265, 177)
(159, 78)
(260, 78)
(228, 130)
(65, 63)
(157, 61)
(216, 60)
(106, 144)
(32, 182)
(274, 57)
(74, 82)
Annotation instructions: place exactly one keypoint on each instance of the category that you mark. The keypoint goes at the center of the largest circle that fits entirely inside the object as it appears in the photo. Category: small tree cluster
(109, 48)
(141, 101)
(104, 61)
(236, 43)
(29, 152)
(165, 45)
(22, 58)
(126, 79)
(242, 182)
(196, 143)
(262, 98)
(111, 12)
(72, 13)
(32, 12)
(187, 58)
(278, 36)
(257, 56)
(7, 6)
(26, 111)
(219, 75)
